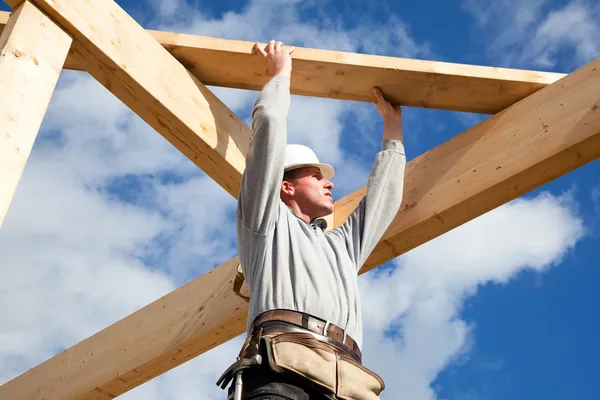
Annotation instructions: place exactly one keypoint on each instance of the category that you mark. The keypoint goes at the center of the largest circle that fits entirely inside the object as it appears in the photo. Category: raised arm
(259, 193)
(366, 225)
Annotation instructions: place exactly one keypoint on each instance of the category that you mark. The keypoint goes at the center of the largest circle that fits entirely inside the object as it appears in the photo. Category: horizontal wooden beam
(33, 50)
(546, 135)
(351, 76)
(130, 63)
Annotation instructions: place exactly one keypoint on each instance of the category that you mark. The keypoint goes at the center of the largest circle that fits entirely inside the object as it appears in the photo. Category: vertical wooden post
(33, 50)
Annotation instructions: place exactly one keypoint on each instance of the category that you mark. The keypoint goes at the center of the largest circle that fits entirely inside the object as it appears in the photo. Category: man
(303, 279)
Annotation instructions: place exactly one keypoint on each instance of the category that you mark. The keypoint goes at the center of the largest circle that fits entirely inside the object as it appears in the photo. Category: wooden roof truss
(542, 125)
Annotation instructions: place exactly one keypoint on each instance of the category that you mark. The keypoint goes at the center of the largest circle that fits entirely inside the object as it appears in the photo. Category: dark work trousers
(260, 383)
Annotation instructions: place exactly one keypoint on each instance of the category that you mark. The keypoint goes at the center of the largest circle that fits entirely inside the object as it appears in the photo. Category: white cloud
(202, 218)
(167, 8)
(68, 265)
(263, 20)
(533, 33)
(75, 258)
(316, 123)
(470, 119)
(424, 296)
(577, 25)
(102, 137)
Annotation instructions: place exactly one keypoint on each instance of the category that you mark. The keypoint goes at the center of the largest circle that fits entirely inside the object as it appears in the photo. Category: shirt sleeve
(258, 201)
(363, 229)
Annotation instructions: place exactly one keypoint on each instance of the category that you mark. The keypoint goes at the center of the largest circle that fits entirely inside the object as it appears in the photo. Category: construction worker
(304, 331)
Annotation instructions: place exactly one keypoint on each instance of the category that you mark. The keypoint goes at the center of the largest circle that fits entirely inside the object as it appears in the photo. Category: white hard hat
(297, 155)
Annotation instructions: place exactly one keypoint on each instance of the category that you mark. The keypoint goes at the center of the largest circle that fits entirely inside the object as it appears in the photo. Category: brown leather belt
(311, 323)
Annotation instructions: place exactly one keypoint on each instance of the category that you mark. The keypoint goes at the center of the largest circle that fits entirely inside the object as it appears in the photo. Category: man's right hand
(392, 116)
(277, 59)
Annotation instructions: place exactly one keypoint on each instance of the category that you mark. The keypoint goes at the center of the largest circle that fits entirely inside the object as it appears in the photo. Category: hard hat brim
(326, 169)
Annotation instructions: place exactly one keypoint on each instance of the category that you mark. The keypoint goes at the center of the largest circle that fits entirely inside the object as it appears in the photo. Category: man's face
(311, 191)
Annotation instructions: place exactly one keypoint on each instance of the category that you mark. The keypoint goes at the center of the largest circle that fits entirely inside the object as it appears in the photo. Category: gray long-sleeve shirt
(289, 263)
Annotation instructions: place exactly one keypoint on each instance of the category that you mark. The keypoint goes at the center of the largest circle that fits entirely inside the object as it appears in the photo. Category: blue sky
(514, 320)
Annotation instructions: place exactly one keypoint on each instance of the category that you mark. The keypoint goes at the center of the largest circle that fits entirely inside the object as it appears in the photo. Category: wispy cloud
(469, 119)
(538, 33)
(290, 21)
(420, 302)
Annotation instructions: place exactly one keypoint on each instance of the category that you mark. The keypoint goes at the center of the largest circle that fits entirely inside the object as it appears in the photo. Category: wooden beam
(546, 135)
(351, 76)
(130, 63)
(33, 50)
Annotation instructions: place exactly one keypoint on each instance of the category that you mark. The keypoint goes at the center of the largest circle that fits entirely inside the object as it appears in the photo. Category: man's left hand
(391, 115)
(278, 61)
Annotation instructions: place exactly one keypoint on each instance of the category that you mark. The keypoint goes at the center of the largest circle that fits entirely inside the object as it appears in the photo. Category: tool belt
(335, 333)
(308, 348)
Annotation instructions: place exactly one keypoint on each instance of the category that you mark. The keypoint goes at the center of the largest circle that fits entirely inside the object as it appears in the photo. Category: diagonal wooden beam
(130, 63)
(546, 135)
(33, 50)
(351, 76)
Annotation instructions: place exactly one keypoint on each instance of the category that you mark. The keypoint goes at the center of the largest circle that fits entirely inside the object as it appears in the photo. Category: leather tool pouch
(302, 354)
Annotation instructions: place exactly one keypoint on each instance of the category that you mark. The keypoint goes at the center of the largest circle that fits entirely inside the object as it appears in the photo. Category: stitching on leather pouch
(311, 343)
(331, 386)
(338, 372)
(365, 369)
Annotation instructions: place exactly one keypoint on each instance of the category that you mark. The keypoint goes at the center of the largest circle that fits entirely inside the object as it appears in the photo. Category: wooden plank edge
(479, 86)
(33, 51)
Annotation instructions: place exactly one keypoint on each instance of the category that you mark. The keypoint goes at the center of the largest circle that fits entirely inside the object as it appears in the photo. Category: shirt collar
(318, 222)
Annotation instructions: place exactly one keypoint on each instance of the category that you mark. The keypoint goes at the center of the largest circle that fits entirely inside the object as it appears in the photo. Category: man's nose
(329, 184)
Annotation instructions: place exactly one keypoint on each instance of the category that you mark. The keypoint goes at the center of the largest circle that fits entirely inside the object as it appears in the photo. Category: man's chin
(328, 209)
(325, 211)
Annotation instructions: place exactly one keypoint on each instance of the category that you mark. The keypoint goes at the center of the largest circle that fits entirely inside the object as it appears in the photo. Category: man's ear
(287, 188)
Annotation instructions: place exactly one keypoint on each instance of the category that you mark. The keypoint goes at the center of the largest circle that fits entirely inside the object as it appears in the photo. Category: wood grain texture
(130, 63)
(33, 50)
(545, 136)
(548, 134)
(351, 76)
